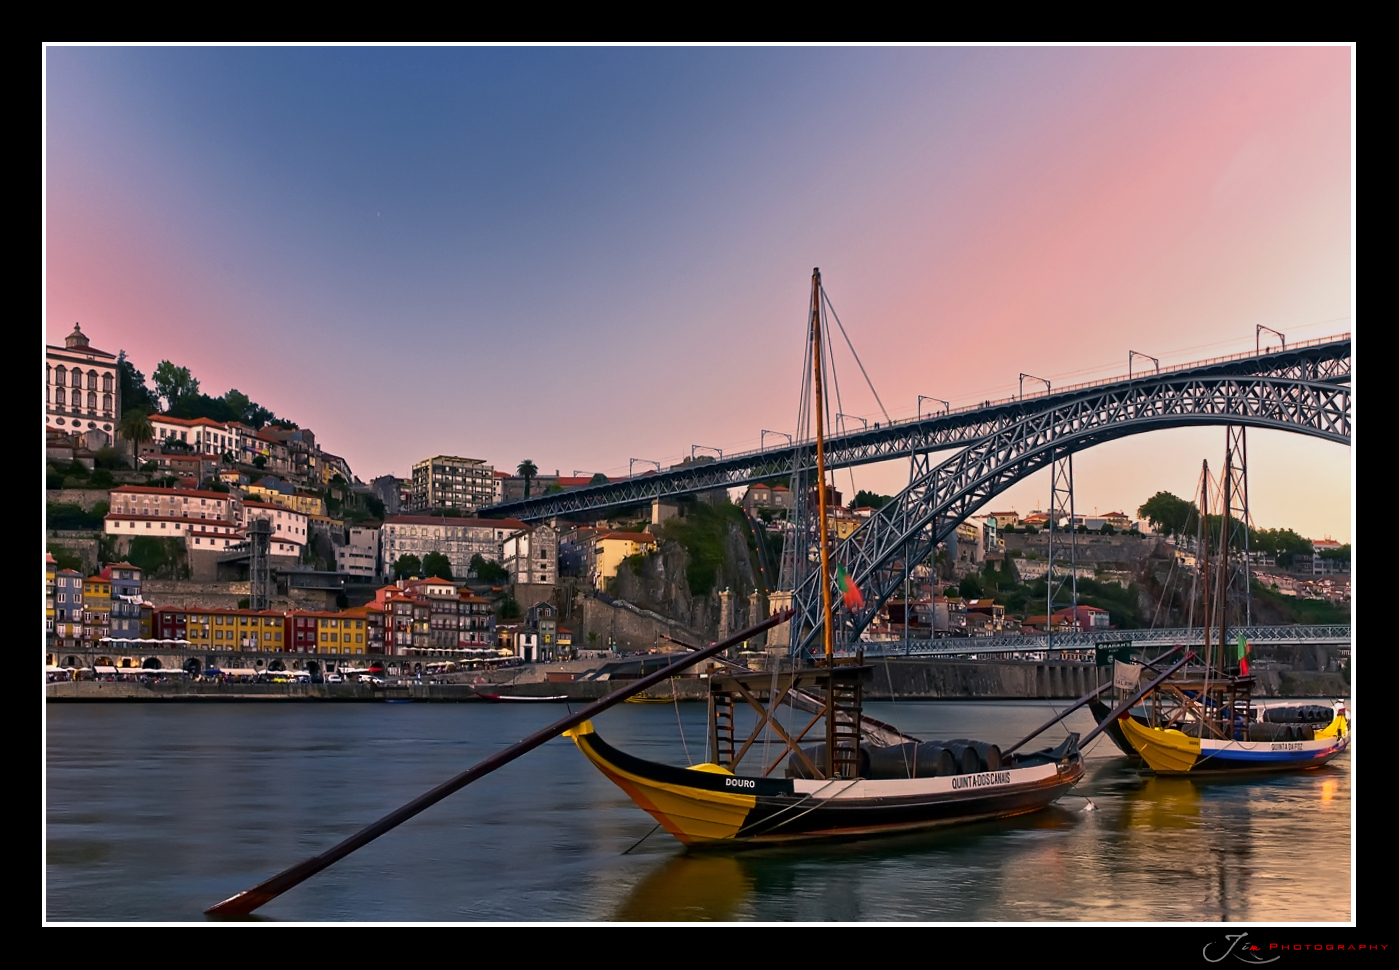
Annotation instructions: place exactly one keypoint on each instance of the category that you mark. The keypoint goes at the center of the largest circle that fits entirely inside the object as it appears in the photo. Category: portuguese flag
(1243, 649)
(854, 599)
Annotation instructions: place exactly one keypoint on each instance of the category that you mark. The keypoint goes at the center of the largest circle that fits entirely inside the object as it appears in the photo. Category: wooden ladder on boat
(722, 725)
(846, 697)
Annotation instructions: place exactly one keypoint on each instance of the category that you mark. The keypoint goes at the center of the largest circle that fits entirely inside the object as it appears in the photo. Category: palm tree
(136, 427)
(527, 470)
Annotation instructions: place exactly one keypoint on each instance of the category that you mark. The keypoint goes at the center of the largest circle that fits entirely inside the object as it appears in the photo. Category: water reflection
(190, 817)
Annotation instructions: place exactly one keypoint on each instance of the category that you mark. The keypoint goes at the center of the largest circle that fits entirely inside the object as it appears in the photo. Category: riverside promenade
(892, 680)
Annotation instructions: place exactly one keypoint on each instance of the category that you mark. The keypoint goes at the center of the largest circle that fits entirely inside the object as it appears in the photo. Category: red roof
(641, 537)
(512, 524)
(190, 492)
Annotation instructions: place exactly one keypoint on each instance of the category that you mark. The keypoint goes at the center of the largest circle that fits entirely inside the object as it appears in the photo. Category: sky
(584, 256)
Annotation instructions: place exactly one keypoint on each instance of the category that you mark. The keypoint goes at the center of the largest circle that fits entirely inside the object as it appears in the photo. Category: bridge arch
(943, 495)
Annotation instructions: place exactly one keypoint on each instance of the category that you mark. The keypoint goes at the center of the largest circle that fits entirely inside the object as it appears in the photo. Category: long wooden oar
(1076, 705)
(250, 899)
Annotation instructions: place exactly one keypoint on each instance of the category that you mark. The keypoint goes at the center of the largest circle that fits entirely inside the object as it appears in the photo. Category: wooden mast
(1204, 558)
(829, 624)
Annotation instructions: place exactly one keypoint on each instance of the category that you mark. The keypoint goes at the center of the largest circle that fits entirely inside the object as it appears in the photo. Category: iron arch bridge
(1323, 361)
(1022, 441)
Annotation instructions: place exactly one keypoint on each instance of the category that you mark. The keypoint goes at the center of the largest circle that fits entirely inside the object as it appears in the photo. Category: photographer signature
(1246, 952)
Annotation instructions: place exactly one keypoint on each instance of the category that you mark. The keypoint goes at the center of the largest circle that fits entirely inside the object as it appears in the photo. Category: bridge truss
(1325, 361)
(1021, 441)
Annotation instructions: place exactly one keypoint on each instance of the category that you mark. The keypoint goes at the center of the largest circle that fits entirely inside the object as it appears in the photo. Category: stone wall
(86, 497)
(627, 630)
(83, 543)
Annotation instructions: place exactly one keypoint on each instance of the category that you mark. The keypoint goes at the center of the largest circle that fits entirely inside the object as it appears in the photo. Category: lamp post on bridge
(1258, 329)
(762, 439)
(946, 408)
(1032, 377)
(1134, 353)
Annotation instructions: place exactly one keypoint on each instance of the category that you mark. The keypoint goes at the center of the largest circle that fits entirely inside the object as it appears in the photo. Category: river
(155, 811)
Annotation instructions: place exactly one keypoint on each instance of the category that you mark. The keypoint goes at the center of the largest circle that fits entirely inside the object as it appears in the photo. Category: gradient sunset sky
(585, 255)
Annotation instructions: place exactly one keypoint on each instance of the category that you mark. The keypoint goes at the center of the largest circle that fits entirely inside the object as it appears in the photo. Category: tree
(527, 470)
(135, 426)
(407, 565)
(437, 566)
(173, 384)
(870, 500)
(238, 403)
(598, 479)
(1168, 514)
(970, 588)
(134, 393)
(488, 571)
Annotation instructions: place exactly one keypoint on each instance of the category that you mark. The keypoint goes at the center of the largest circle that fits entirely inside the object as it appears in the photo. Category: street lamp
(762, 438)
(946, 408)
(1033, 378)
(1259, 328)
(1133, 353)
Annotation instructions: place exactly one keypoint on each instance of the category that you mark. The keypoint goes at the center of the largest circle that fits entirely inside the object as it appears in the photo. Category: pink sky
(586, 256)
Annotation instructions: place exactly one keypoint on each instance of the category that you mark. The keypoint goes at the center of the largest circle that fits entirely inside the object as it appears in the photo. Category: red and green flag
(854, 599)
(1243, 648)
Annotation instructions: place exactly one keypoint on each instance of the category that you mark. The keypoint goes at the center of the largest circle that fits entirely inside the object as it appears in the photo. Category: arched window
(106, 402)
(62, 375)
(92, 400)
(92, 380)
(77, 378)
(60, 396)
(48, 373)
(107, 382)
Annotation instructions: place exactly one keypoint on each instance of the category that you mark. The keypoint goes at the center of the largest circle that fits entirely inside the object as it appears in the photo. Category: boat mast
(1223, 581)
(1204, 558)
(829, 633)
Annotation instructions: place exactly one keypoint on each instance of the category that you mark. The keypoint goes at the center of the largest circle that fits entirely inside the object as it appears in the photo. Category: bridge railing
(1083, 385)
(1332, 633)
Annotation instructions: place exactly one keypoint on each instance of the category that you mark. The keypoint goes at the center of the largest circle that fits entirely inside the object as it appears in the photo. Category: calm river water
(155, 811)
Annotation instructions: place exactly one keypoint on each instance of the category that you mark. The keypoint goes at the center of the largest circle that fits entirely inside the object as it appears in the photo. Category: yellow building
(343, 633)
(97, 609)
(610, 548)
(244, 630)
(307, 503)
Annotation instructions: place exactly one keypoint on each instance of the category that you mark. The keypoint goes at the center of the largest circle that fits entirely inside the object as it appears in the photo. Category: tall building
(82, 390)
(447, 482)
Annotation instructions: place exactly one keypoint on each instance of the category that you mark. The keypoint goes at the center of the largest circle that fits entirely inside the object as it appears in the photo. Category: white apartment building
(82, 390)
(289, 536)
(360, 555)
(448, 482)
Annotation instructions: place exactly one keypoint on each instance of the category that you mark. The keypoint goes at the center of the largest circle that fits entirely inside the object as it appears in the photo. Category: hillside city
(156, 493)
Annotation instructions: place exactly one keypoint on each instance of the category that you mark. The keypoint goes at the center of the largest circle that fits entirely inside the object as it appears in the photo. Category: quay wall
(896, 680)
